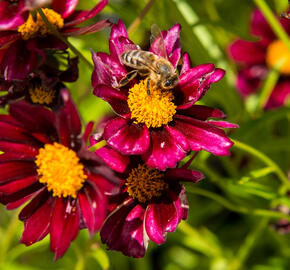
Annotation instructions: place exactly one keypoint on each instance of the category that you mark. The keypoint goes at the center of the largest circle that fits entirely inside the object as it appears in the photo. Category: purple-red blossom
(20, 50)
(41, 86)
(150, 203)
(257, 57)
(189, 128)
(31, 138)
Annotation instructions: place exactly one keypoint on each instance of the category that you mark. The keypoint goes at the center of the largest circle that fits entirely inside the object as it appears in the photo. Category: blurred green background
(230, 224)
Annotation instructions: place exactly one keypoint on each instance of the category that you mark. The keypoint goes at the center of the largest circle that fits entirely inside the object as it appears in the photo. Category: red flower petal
(19, 184)
(129, 139)
(37, 226)
(16, 170)
(167, 148)
(202, 135)
(93, 208)
(65, 224)
(202, 112)
(115, 98)
(181, 174)
(248, 52)
(64, 7)
(160, 219)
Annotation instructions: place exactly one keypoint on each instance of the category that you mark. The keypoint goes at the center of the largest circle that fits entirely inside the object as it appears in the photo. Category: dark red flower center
(145, 183)
(155, 110)
(59, 168)
(278, 54)
(32, 28)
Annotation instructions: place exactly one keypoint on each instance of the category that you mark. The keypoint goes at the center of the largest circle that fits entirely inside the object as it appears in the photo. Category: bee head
(170, 82)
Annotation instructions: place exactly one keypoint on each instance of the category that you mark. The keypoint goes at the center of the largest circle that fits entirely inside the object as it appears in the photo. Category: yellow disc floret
(153, 110)
(59, 168)
(278, 52)
(40, 96)
(32, 28)
(145, 183)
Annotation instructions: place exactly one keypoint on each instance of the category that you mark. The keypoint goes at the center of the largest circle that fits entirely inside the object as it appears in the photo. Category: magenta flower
(33, 36)
(166, 125)
(150, 203)
(42, 86)
(46, 163)
(256, 58)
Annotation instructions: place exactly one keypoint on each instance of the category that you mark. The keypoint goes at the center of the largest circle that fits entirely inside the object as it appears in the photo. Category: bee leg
(129, 76)
(148, 87)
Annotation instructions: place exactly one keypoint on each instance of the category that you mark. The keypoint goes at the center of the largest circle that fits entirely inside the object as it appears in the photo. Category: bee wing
(157, 41)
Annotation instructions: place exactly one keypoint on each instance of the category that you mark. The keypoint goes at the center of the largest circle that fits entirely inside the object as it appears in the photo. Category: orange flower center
(145, 183)
(60, 170)
(32, 28)
(278, 53)
(154, 110)
(40, 96)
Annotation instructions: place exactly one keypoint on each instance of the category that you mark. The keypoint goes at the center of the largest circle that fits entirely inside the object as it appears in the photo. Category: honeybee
(157, 68)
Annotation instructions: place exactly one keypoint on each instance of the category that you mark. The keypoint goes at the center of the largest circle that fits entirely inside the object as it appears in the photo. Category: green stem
(273, 22)
(261, 156)
(236, 208)
(269, 85)
(138, 20)
(248, 245)
(63, 39)
(97, 146)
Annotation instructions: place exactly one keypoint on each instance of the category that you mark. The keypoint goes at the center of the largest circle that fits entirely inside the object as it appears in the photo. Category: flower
(42, 86)
(46, 163)
(166, 125)
(32, 35)
(257, 57)
(150, 203)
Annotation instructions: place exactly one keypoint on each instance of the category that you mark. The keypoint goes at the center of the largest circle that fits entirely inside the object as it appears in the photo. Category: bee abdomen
(135, 58)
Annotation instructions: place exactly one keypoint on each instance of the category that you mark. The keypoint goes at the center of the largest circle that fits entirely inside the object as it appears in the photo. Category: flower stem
(236, 208)
(63, 39)
(138, 20)
(268, 87)
(249, 243)
(273, 22)
(261, 156)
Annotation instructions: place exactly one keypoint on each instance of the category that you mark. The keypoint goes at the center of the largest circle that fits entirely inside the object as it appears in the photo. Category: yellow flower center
(154, 110)
(60, 170)
(278, 52)
(145, 183)
(40, 96)
(31, 28)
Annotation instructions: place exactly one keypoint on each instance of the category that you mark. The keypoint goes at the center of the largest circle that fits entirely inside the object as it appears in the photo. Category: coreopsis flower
(164, 126)
(150, 203)
(46, 165)
(257, 57)
(25, 40)
(43, 86)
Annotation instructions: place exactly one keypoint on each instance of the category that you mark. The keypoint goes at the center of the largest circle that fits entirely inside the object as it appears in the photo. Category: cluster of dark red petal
(190, 130)
(47, 77)
(251, 55)
(131, 224)
(14, 64)
(26, 129)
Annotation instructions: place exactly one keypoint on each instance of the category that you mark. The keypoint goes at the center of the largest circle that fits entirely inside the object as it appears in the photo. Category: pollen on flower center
(32, 28)
(278, 51)
(154, 110)
(41, 96)
(59, 168)
(145, 183)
